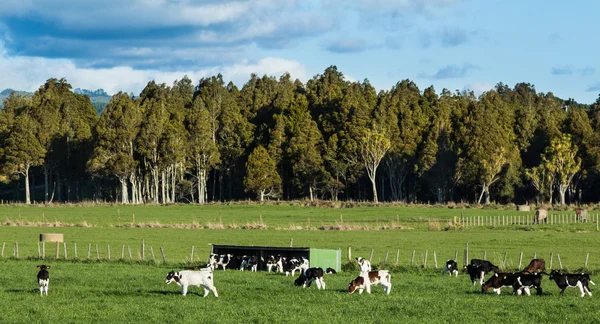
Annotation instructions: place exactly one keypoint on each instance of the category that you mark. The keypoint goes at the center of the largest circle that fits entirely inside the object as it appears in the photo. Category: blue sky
(455, 44)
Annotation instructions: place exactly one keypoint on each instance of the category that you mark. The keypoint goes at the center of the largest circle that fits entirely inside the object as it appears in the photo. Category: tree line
(278, 138)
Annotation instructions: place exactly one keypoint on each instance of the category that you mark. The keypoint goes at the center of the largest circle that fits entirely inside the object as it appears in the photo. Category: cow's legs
(322, 283)
(184, 290)
(360, 291)
(481, 277)
(527, 291)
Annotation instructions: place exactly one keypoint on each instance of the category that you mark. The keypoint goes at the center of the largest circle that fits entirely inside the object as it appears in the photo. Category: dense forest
(328, 139)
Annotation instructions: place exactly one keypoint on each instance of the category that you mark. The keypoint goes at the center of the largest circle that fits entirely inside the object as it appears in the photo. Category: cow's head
(173, 276)
(354, 284)
(43, 267)
(554, 274)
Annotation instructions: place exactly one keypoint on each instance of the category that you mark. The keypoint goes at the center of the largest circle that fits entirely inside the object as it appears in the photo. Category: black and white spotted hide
(451, 267)
(43, 278)
(308, 276)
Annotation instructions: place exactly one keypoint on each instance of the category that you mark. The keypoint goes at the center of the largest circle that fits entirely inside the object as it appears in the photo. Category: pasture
(88, 290)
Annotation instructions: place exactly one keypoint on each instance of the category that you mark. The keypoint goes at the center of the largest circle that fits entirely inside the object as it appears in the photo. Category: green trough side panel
(326, 258)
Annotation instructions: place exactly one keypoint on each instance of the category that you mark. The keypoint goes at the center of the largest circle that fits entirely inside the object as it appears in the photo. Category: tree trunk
(561, 190)
(483, 191)
(201, 186)
(310, 191)
(45, 184)
(27, 193)
(162, 186)
(262, 195)
(374, 185)
(124, 195)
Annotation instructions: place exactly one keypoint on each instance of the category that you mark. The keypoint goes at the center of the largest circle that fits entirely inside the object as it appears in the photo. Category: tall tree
(261, 177)
(373, 147)
(563, 157)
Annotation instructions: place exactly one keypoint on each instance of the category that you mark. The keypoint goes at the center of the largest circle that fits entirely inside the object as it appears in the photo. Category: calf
(270, 263)
(43, 278)
(526, 281)
(565, 281)
(484, 267)
(308, 276)
(498, 281)
(541, 216)
(451, 267)
(535, 266)
(474, 273)
(279, 262)
(187, 278)
(224, 261)
(213, 261)
(364, 265)
(292, 266)
(330, 271)
(374, 277)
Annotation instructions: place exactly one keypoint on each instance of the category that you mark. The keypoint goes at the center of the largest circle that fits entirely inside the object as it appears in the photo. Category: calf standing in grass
(186, 278)
(43, 278)
(564, 281)
(451, 267)
(366, 280)
(308, 276)
(364, 265)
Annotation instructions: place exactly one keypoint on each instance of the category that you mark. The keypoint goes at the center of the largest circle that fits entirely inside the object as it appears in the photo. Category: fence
(95, 252)
(506, 261)
(552, 219)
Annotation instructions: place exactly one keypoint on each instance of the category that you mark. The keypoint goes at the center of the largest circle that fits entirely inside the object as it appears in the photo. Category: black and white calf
(484, 267)
(224, 261)
(526, 281)
(185, 278)
(564, 281)
(292, 266)
(451, 267)
(270, 263)
(330, 271)
(364, 265)
(308, 276)
(43, 278)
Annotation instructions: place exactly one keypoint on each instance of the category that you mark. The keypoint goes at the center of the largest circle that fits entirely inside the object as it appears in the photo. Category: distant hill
(98, 97)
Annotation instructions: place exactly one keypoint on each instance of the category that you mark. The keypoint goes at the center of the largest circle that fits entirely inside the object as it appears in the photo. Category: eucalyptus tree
(405, 123)
(202, 150)
(234, 136)
(115, 137)
(374, 145)
(563, 158)
(489, 146)
(261, 177)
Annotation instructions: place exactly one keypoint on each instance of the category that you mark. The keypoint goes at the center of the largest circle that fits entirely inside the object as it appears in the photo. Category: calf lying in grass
(185, 278)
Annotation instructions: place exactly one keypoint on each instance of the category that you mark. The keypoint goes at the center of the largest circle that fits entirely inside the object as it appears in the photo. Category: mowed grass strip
(118, 293)
(238, 216)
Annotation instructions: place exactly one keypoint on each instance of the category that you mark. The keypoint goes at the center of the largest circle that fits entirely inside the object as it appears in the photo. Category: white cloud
(29, 73)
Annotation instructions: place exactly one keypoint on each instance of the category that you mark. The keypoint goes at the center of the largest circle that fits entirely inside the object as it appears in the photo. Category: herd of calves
(530, 277)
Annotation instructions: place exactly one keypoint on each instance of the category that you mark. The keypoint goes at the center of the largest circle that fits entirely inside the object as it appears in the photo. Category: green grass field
(131, 291)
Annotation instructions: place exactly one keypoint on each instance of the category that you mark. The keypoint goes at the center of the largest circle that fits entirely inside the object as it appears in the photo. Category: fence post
(484, 254)
(57, 249)
(16, 250)
(371, 257)
(192, 255)
(162, 252)
(97, 253)
(425, 261)
(559, 262)
(108, 251)
(152, 252)
(143, 250)
(123, 252)
(504, 261)
(386, 256)
(520, 259)
(456, 255)
(397, 256)
(291, 242)
(349, 254)
(435, 260)
(551, 255)
(129, 250)
(75, 250)
(534, 255)
(65, 250)
(89, 251)
(412, 259)
(587, 255)
(467, 254)
(4, 243)
(39, 251)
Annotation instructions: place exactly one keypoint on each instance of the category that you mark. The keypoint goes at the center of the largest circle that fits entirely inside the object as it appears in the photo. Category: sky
(454, 44)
